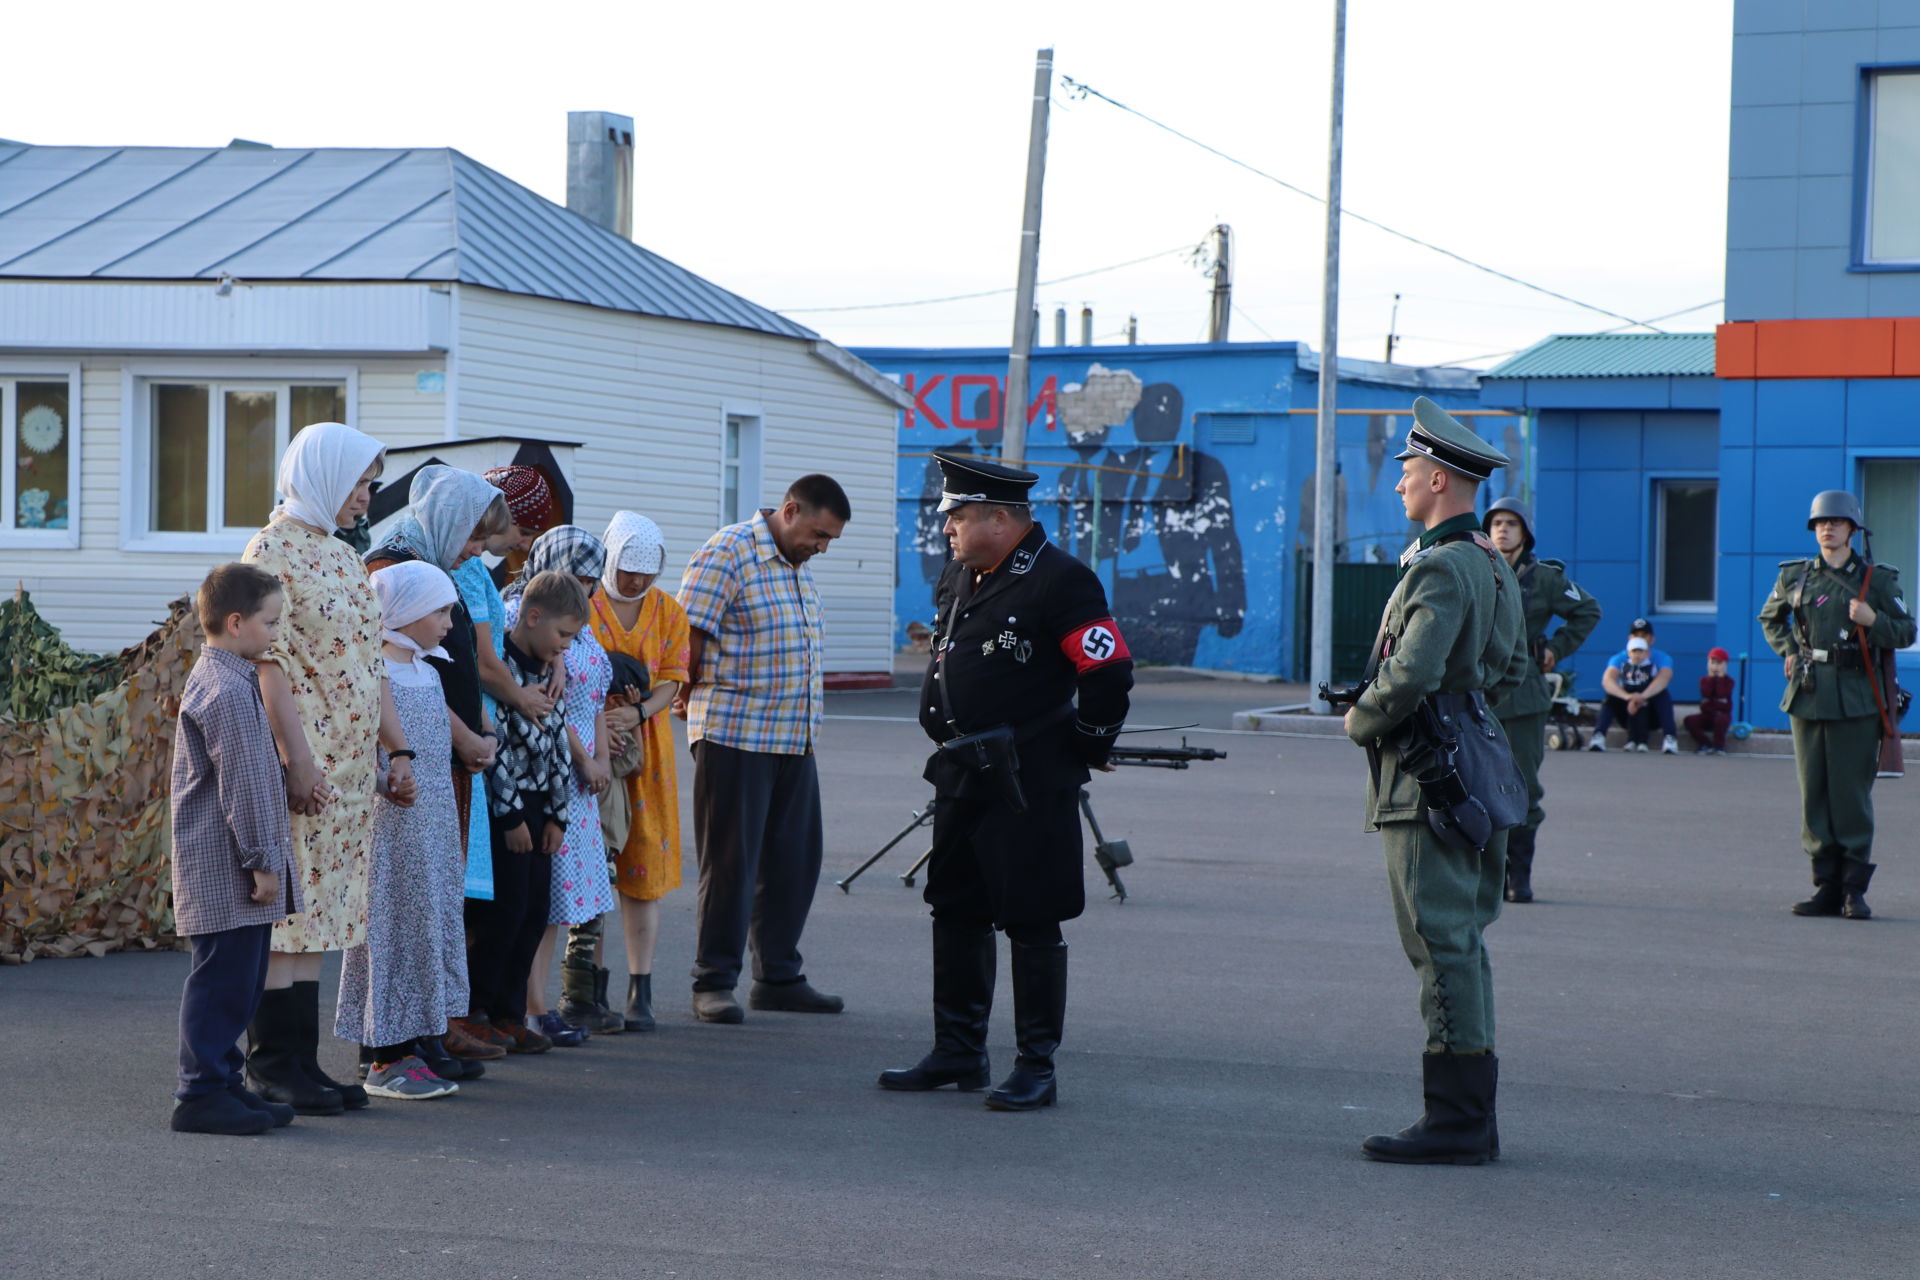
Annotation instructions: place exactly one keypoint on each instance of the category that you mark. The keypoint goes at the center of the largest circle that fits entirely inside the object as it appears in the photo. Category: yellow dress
(329, 648)
(648, 865)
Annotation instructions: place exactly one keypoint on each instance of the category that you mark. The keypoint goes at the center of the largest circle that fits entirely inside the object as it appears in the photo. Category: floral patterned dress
(582, 890)
(648, 865)
(329, 648)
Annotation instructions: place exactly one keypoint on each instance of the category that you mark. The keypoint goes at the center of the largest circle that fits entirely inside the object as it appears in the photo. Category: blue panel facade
(1182, 474)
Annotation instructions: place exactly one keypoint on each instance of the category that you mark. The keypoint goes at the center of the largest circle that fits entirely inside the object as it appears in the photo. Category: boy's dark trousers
(503, 935)
(1660, 706)
(1709, 729)
(221, 994)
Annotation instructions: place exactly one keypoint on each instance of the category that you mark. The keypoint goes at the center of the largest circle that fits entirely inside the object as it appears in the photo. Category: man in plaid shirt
(753, 716)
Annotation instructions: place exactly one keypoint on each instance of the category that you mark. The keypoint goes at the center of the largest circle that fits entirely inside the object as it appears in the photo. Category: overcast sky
(846, 153)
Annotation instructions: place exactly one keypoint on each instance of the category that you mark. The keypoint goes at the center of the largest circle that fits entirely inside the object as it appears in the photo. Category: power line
(984, 293)
(1083, 90)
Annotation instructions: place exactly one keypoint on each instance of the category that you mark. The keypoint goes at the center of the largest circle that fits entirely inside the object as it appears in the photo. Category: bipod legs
(921, 817)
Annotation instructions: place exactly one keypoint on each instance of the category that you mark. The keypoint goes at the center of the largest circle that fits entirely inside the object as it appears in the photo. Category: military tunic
(1546, 593)
(1836, 722)
(1453, 625)
(1031, 644)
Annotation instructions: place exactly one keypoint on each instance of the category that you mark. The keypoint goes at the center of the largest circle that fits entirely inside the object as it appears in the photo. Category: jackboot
(1854, 883)
(1827, 892)
(307, 995)
(963, 964)
(1520, 842)
(638, 1015)
(273, 1058)
(1457, 1125)
(1039, 1019)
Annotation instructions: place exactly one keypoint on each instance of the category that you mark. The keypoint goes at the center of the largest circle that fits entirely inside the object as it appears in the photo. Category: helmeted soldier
(1025, 692)
(1453, 626)
(1546, 593)
(1828, 617)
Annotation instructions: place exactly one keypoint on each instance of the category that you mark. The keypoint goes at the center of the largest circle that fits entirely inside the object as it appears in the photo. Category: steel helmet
(1837, 504)
(1519, 510)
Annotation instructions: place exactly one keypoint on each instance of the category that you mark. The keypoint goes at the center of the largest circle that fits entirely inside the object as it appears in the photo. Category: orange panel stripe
(1844, 348)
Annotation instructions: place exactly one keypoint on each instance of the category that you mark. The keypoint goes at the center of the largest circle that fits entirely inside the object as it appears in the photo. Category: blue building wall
(1601, 446)
(1191, 486)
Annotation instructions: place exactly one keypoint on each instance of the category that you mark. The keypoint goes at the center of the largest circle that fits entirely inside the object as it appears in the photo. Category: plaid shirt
(229, 801)
(759, 686)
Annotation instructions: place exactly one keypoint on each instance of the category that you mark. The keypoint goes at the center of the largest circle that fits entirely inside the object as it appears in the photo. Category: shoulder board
(1794, 563)
(1886, 569)
(1561, 565)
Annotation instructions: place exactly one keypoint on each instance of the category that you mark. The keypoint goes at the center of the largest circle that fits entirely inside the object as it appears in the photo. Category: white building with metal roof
(170, 316)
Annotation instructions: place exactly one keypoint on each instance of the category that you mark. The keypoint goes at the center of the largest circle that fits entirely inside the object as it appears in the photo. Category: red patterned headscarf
(529, 500)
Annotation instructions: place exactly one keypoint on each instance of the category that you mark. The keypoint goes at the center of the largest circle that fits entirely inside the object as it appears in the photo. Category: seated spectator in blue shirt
(1636, 681)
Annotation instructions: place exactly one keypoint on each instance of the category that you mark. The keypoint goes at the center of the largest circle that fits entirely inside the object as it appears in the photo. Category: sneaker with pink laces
(409, 1080)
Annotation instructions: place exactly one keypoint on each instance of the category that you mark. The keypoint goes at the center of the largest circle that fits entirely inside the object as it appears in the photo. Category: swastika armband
(1095, 644)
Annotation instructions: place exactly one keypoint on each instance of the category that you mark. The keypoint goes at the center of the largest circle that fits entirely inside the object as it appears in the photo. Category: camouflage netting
(88, 744)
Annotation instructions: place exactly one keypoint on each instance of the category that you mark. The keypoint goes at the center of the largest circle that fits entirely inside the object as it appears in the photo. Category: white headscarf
(634, 543)
(444, 507)
(319, 470)
(408, 592)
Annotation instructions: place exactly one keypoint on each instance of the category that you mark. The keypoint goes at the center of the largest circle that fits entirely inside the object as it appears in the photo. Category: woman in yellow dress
(632, 616)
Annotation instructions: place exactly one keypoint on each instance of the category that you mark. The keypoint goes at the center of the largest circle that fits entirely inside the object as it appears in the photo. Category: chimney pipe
(1086, 326)
(1059, 326)
(1222, 309)
(600, 169)
(1133, 331)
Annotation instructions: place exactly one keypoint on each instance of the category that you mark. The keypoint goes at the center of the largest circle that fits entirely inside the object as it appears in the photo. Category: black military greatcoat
(1032, 645)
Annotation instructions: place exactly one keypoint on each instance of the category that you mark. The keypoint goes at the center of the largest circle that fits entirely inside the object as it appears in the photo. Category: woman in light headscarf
(580, 889)
(324, 684)
(632, 616)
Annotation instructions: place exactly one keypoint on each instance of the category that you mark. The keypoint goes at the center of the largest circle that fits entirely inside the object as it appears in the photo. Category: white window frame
(11, 374)
(1661, 605)
(136, 440)
(751, 461)
(1866, 256)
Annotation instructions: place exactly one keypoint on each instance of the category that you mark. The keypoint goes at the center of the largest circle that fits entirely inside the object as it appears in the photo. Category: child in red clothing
(1708, 726)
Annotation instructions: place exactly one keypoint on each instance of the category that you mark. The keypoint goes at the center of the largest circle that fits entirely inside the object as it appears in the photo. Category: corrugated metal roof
(1612, 355)
(176, 213)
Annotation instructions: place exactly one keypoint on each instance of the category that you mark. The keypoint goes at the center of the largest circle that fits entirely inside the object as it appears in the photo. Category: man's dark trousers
(503, 935)
(220, 998)
(756, 823)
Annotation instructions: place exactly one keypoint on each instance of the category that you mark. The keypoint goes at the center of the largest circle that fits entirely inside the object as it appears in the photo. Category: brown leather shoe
(522, 1038)
(461, 1043)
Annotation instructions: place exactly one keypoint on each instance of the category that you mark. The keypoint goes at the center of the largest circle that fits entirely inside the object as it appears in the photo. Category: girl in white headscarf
(631, 615)
(324, 684)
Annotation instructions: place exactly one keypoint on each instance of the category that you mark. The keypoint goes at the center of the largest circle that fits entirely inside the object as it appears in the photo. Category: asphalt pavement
(1693, 1083)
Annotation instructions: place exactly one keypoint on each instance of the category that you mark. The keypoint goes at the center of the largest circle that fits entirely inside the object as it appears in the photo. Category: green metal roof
(1612, 355)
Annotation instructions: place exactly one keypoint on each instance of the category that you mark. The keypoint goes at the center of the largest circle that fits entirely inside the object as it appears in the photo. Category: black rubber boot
(1039, 1019)
(308, 996)
(1457, 1126)
(963, 964)
(1854, 882)
(1827, 892)
(638, 1015)
(273, 1058)
(1520, 842)
(605, 1020)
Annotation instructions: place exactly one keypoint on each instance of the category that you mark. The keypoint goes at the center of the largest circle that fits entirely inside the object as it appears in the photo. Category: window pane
(1688, 533)
(733, 439)
(250, 458)
(1893, 233)
(180, 459)
(730, 493)
(41, 424)
(1890, 492)
(308, 405)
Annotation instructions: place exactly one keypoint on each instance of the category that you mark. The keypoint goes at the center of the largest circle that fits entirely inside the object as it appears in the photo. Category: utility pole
(1222, 308)
(1393, 324)
(1325, 453)
(1013, 411)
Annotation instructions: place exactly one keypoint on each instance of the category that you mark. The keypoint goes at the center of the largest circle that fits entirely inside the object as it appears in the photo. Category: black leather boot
(1520, 842)
(638, 1015)
(273, 1058)
(1039, 1018)
(1854, 881)
(1827, 892)
(963, 963)
(307, 998)
(1457, 1126)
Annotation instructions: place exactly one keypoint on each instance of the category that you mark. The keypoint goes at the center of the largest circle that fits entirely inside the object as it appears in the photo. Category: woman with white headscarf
(324, 684)
(632, 616)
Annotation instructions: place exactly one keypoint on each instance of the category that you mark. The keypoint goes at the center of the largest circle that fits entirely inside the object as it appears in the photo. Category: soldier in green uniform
(1546, 593)
(1812, 618)
(1453, 625)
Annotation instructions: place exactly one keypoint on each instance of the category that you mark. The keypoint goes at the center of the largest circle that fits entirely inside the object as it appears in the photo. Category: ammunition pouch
(1468, 780)
(992, 756)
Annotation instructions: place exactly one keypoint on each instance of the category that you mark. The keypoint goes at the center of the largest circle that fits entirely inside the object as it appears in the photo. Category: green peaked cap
(1440, 436)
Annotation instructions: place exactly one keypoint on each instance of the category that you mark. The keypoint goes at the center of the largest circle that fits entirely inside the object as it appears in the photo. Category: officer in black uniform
(1027, 663)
